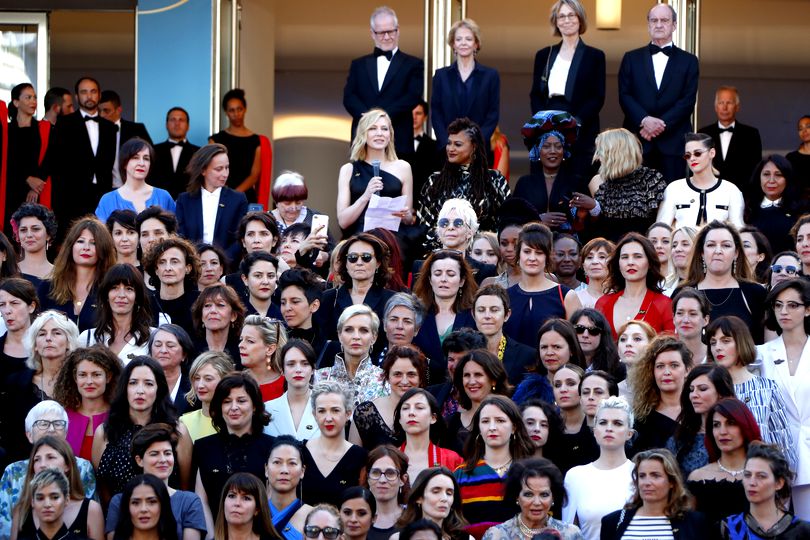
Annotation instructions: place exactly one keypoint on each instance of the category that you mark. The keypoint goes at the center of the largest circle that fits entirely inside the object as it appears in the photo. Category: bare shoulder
(594, 184)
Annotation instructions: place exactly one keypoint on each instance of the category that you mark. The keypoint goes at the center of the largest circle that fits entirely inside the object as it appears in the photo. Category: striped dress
(482, 493)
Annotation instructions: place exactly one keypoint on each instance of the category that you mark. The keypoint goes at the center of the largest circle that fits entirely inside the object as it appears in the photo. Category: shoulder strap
(562, 298)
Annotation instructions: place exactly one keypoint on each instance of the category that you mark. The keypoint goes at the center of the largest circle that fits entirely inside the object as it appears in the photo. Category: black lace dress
(372, 427)
(630, 203)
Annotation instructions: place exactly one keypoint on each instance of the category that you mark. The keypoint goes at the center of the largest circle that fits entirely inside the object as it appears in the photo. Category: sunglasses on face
(365, 257)
(789, 270)
(330, 533)
(697, 153)
(457, 223)
(590, 330)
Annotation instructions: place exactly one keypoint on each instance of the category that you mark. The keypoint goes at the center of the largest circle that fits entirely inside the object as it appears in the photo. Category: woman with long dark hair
(147, 511)
(600, 351)
(465, 175)
(557, 345)
(358, 509)
(124, 231)
(124, 315)
(773, 200)
(291, 413)
(435, 495)
(544, 426)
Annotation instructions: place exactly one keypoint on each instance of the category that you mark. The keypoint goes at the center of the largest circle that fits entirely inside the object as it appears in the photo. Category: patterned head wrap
(545, 124)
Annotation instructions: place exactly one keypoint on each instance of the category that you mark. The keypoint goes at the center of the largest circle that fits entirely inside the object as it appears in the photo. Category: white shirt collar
(731, 125)
(211, 194)
(767, 203)
(85, 114)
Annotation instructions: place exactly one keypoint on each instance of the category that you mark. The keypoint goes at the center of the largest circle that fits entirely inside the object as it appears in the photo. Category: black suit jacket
(693, 525)
(584, 89)
(74, 194)
(232, 207)
(483, 105)
(131, 129)
(744, 153)
(334, 301)
(400, 92)
(673, 103)
(163, 174)
(180, 403)
(517, 358)
(424, 161)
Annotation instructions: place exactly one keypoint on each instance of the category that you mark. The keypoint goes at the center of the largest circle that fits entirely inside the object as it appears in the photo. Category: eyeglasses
(457, 223)
(390, 474)
(365, 257)
(697, 153)
(383, 33)
(791, 306)
(330, 533)
(590, 330)
(789, 270)
(45, 425)
(570, 16)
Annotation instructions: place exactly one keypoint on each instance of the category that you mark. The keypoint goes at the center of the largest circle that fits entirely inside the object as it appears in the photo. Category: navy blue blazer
(232, 207)
(428, 341)
(673, 103)
(482, 105)
(584, 88)
(400, 92)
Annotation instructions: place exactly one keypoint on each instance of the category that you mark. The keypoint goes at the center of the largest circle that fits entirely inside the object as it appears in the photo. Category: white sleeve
(569, 511)
(736, 207)
(666, 210)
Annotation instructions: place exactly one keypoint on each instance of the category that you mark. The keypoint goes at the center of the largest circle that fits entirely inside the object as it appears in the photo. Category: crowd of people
(616, 349)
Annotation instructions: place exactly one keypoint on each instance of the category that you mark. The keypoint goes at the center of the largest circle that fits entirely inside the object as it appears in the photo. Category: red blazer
(656, 310)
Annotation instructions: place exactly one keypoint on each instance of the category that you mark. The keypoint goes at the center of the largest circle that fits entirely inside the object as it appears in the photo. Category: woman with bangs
(600, 351)
(435, 496)
(218, 316)
(386, 476)
(731, 346)
(535, 298)
(357, 181)
(446, 286)
(85, 388)
(124, 232)
(718, 486)
(635, 281)
(124, 316)
(86, 255)
(657, 381)
(243, 511)
(720, 270)
(595, 256)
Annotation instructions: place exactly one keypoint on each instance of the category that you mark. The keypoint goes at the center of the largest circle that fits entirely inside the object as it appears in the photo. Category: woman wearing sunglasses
(323, 522)
(456, 230)
(600, 351)
(243, 510)
(785, 265)
(703, 197)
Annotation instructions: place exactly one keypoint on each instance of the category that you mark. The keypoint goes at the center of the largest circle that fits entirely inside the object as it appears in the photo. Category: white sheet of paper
(378, 213)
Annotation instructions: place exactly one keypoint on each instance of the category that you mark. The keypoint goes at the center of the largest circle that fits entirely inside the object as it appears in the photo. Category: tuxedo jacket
(483, 103)
(74, 192)
(400, 92)
(744, 153)
(673, 103)
(425, 161)
(232, 207)
(584, 89)
(131, 129)
(163, 174)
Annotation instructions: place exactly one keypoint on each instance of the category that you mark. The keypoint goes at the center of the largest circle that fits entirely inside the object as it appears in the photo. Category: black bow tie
(380, 52)
(419, 138)
(172, 144)
(729, 129)
(655, 49)
(91, 118)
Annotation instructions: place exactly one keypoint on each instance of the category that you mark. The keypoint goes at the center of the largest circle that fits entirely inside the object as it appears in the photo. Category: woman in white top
(291, 413)
(702, 198)
(124, 314)
(786, 360)
(605, 485)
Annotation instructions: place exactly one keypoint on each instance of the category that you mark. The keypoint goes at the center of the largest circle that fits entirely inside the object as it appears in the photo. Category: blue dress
(112, 201)
(281, 520)
(531, 309)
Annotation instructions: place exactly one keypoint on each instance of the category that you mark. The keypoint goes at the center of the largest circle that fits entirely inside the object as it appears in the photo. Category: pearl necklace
(727, 471)
(525, 530)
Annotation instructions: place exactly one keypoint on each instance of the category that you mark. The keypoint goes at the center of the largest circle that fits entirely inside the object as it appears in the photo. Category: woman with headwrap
(553, 188)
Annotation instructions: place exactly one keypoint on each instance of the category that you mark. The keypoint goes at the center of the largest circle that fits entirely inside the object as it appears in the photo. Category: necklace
(719, 303)
(502, 469)
(727, 471)
(527, 531)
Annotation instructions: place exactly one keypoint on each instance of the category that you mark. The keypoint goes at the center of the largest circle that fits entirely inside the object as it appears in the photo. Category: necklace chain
(730, 472)
(527, 531)
(502, 469)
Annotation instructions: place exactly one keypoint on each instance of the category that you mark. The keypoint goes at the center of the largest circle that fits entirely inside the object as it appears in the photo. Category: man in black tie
(109, 107)
(738, 146)
(657, 92)
(173, 155)
(425, 159)
(85, 152)
(389, 79)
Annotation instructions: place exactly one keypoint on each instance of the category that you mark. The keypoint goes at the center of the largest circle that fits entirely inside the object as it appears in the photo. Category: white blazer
(281, 420)
(796, 394)
(88, 338)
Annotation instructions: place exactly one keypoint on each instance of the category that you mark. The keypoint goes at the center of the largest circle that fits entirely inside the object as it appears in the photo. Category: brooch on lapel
(779, 361)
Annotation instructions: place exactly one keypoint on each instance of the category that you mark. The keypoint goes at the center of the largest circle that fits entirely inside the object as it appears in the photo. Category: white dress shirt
(659, 61)
(175, 152)
(210, 205)
(725, 138)
(92, 132)
(383, 64)
(558, 76)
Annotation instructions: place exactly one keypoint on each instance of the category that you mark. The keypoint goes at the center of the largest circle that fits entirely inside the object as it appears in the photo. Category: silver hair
(619, 403)
(383, 10)
(42, 408)
(408, 301)
(332, 387)
(62, 322)
(465, 211)
(359, 309)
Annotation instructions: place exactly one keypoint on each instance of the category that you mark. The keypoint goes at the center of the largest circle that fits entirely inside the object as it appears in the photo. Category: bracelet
(596, 210)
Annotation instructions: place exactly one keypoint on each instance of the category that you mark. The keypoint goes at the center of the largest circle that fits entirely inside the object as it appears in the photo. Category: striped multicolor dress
(482, 493)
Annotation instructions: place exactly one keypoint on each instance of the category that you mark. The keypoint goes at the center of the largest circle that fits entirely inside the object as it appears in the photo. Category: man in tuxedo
(425, 159)
(172, 156)
(85, 148)
(109, 107)
(388, 78)
(657, 91)
(738, 147)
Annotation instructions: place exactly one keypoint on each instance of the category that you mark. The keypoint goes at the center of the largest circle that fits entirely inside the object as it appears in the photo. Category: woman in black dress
(244, 146)
(570, 76)
(332, 463)
(357, 182)
(240, 445)
(35, 230)
(773, 201)
(218, 316)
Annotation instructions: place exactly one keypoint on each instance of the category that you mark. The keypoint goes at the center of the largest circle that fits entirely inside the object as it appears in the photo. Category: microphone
(375, 164)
